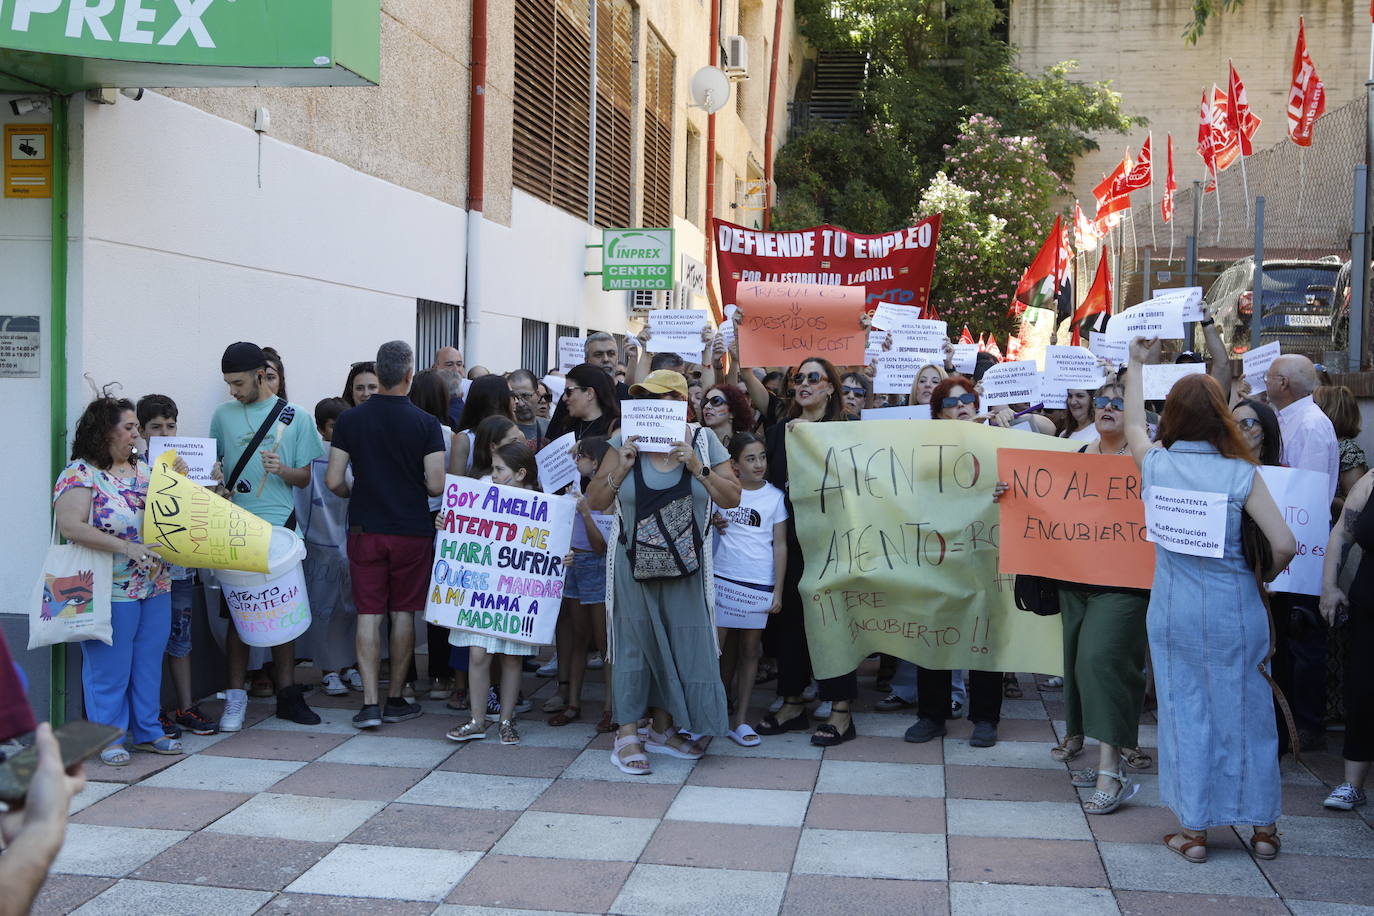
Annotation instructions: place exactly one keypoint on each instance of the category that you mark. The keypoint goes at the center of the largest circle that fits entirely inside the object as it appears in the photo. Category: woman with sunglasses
(545, 406)
(857, 393)
(816, 399)
(727, 411)
(1259, 426)
(956, 398)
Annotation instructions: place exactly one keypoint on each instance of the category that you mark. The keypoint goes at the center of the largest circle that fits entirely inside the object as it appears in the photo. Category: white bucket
(270, 609)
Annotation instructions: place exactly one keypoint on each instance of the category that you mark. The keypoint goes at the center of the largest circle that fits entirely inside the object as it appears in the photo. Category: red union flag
(1109, 202)
(1205, 147)
(1239, 119)
(1306, 95)
(1085, 236)
(892, 267)
(1141, 174)
(1166, 205)
(1225, 142)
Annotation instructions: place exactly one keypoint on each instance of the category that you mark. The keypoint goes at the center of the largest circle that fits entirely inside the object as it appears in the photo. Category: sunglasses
(571, 388)
(1114, 403)
(714, 400)
(546, 399)
(967, 397)
(807, 378)
(1248, 422)
(856, 390)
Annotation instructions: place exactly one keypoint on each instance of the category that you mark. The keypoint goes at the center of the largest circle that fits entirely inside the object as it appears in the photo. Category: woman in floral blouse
(99, 500)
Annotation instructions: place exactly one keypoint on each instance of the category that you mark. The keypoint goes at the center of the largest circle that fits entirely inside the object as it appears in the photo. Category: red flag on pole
(1166, 205)
(1099, 298)
(1205, 148)
(1225, 141)
(1239, 119)
(995, 350)
(1110, 203)
(1141, 174)
(1306, 94)
(1085, 235)
(966, 337)
(1038, 282)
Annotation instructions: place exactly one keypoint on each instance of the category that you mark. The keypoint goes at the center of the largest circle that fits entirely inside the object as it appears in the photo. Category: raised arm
(1137, 435)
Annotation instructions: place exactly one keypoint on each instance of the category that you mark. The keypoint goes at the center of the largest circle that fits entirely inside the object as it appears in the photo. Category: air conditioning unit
(643, 301)
(737, 57)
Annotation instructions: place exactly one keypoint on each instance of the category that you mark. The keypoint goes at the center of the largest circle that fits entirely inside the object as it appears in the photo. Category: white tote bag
(71, 600)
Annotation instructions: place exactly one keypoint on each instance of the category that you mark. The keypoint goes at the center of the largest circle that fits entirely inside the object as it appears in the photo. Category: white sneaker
(235, 706)
(549, 668)
(353, 679)
(595, 662)
(823, 710)
(334, 685)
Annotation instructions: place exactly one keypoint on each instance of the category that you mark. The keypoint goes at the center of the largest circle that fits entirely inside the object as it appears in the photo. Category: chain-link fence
(1308, 223)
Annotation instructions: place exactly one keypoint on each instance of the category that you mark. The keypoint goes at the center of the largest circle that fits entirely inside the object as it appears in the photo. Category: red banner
(1306, 94)
(891, 267)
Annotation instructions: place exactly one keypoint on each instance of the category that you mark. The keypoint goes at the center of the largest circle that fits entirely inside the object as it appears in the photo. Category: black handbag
(1037, 594)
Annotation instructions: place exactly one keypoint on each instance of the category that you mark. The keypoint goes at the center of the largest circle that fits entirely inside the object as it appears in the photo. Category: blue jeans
(123, 681)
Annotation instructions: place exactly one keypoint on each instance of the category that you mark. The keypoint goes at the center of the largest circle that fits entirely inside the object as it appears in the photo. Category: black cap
(242, 357)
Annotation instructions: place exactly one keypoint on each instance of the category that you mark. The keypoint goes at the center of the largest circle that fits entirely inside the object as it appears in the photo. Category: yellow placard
(192, 526)
(28, 160)
(900, 534)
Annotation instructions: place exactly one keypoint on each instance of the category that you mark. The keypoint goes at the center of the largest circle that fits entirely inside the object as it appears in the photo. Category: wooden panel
(532, 160)
(551, 119)
(659, 64)
(614, 148)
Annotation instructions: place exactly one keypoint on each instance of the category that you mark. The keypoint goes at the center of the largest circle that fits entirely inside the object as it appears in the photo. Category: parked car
(1305, 305)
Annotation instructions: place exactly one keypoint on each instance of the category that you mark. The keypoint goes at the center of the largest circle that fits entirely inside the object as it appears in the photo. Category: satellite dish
(710, 89)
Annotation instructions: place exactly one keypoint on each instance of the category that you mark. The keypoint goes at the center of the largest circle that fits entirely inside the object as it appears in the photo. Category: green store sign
(69, 45)
(637, 259)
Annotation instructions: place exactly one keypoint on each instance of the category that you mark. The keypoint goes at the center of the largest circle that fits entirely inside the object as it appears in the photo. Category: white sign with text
(199, 455)
(658, 424)
(1186, 521)
(1011, 383)
(556, 466)
(1159, 380)
(1162, 318)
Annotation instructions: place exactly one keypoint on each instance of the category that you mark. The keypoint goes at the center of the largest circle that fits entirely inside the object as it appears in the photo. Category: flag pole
(1151, 140)
(1302, 175)
(1216, 190)
(1245, 184)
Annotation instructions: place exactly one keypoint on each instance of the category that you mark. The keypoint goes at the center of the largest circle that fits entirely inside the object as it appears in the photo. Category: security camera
(27, 105)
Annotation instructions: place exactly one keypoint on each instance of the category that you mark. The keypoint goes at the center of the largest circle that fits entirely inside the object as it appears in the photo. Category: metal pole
(591, 120)
(1359, 271)
(57, 377)
(1146, 279)
(1190, 258)
(1257, 284)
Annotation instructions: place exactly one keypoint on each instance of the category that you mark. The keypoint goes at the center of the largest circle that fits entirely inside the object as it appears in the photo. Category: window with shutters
(437, 324)
(534, 346)
(552, 116)
(659, 64)
(614, 111)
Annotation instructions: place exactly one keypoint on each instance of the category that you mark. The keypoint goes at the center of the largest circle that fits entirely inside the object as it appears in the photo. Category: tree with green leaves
(941, 75)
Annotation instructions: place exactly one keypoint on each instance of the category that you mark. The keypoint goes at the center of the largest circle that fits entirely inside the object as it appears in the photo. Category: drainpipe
(711, 172)
(57, 376)
(477, 134)
(768, 130)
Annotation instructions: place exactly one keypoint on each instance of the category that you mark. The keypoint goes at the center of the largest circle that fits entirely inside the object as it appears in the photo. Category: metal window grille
(659, 63)
(614, 111)
(534, 346)
(552, 115)
(437, 324)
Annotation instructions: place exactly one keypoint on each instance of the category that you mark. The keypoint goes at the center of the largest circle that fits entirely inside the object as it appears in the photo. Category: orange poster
(785, 323)
(1074, 517)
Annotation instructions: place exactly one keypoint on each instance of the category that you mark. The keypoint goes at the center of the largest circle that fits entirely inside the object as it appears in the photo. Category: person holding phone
(32, 831)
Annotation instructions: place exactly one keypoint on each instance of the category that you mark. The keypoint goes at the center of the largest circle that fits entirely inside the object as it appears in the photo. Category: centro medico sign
(637, 259)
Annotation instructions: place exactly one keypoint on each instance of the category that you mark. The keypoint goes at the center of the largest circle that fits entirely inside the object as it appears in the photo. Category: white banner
(1302, 497)
(1071, 367)
(1186, 521)
(914, 412)
(571, 352)
(199, 455)
(742, 607)
(965, 358)
(658, 424)
(1116, 351)
(498, 560)
(1011, 383)
(1159, 380)
(677, 331)
(1256, 364)
(557, 468)
(1162, 318)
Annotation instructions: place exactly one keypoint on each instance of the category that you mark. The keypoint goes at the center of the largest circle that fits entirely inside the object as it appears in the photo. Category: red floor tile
(519, 760)
(434, 827)
(739, 846)
(1062, 863)
(166, 809)
(755, 773)
(591, 796)
(346, 780)
(1008, 784)
(516, 882)
(1153, 903)
(874, 812)
(887, 750)
(827, 895)
(273, 744)
(224, 860)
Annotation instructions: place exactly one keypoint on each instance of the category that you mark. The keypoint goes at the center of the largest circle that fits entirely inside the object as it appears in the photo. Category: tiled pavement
(285, 819)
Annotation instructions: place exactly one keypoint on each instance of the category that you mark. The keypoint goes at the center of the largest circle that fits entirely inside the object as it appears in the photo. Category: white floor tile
(386, 872)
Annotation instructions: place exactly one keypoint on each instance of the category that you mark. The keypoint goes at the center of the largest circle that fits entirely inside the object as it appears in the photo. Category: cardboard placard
(1162, 318)
(658, 424)
(912, 412)
(677, 331)
(742, 607)
(897, 371)
(1074, 517)
(1256, 364)
(192, 526)
(571, 352)
(1303, 498)
(965, 358)
(1011, 383)
(1117, 351)
(785, 323)
(557, 468)
(556, 384)
(1191, 297)
(1159, 380)
(1071, 367)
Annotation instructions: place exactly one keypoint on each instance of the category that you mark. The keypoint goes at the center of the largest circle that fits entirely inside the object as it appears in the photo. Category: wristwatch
(705, 471)
(1208, 321)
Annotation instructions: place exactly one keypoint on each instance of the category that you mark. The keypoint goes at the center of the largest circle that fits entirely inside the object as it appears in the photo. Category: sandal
(605, 725)
(166, 745)
(1085, 778)
(117, 756)
(1068, 749)
(556, 703)
(1267, 837)
(767, 671)
(1137, 759)
(569, 715)
(659, 743)
(458, 700)
(1106, 802)
(469, 731)
(745, 736)
(772, 725)
(623, 763)
(1011, 688)
(1185, 848)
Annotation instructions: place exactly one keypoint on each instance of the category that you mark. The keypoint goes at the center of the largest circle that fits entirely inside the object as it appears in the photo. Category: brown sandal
(1068, 749)
(568, 715)
(1267, 837)
(1189, 843)
(605, 725)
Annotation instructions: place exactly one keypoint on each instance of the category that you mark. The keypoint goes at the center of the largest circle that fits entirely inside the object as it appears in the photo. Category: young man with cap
(397, 453)
(261, 482)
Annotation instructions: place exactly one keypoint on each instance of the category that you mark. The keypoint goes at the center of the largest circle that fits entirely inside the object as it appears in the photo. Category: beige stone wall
(1138, 46)
(411, 130)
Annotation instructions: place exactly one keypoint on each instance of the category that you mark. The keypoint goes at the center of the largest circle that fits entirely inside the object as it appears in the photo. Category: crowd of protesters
(361, 485)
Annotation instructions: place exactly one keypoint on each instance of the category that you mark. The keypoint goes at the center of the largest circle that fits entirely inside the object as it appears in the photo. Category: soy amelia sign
(637, 259)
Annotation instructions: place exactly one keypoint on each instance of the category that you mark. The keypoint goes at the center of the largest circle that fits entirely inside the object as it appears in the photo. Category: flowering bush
(997, 196)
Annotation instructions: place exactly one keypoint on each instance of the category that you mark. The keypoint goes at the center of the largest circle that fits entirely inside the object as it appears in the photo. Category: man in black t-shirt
(397, 453)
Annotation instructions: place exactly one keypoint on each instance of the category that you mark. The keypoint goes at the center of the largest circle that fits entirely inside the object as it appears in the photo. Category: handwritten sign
(1118, 351)
(784, 323)
(191, 526)
(1186, 521)
(1011, 383)
(900, 534)
(199, 455)
(571, 352)
(914, 412)
(965, 358)
(1256, 364)
(658, 424)
(677, 331)
(1074, 517)
(1304, 499)
(1190, 296)
(1159, 380)
(556, 465)
(498, 560)
(740, 606)
(1162, 318)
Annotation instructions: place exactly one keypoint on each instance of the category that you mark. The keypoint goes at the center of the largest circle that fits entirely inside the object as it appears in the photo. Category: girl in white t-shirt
(750, 556)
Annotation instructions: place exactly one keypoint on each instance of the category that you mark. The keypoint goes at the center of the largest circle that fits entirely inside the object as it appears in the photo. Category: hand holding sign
(784, 323)
(1156, 318)
(657, 425)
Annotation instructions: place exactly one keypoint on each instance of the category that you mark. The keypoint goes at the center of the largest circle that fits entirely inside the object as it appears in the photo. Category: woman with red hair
(1208, 625)
(726, 410)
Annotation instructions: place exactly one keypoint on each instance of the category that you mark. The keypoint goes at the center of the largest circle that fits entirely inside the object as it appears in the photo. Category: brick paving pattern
(287, 819)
